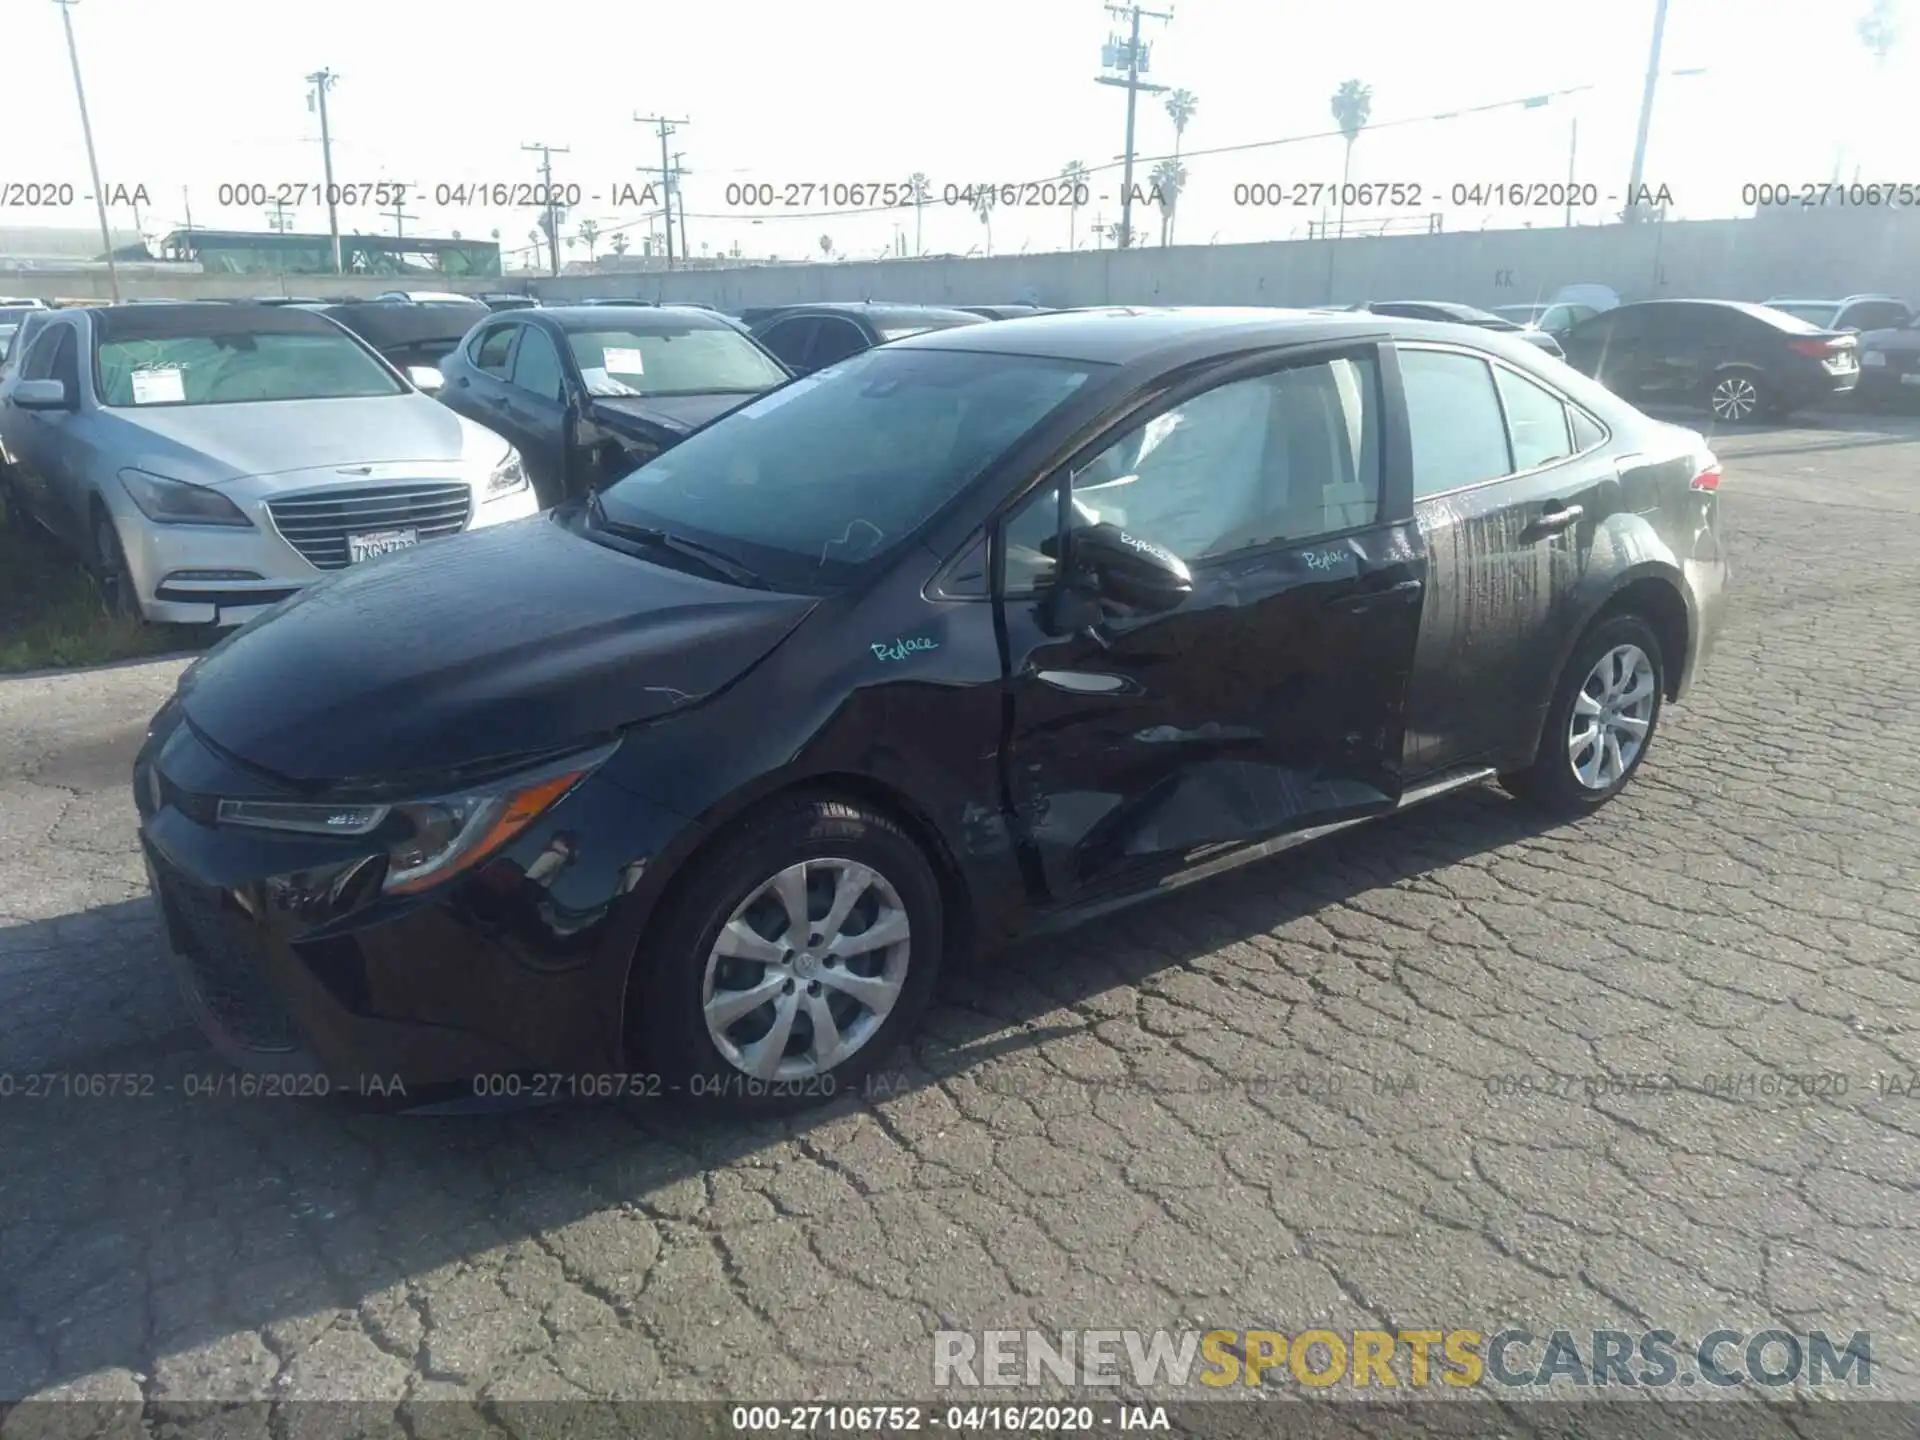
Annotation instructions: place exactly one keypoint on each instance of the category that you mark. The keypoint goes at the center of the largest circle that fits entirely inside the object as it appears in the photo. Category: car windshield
(1818, 313)
(169, 365)
(665, 360)
(807, 485)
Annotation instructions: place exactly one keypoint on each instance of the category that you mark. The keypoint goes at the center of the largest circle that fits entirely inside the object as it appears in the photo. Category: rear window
(1790, 320)
(1814, 315)
(659, 360)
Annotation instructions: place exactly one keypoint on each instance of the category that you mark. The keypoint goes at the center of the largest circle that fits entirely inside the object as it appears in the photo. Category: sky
(186, 99)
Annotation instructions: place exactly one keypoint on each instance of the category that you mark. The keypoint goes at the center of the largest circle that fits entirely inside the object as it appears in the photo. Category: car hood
(678, 414)
(506, 641)
(215, 444)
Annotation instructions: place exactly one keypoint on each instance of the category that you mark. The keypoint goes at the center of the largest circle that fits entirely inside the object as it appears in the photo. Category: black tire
(668, 1029)
(117, 590)
(1739, 397)
(1550, 782)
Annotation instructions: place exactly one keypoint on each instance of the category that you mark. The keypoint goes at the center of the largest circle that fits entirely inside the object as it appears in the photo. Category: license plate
(380, 542)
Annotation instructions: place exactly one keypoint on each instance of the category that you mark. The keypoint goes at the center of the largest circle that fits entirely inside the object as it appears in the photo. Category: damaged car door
(1149, 727)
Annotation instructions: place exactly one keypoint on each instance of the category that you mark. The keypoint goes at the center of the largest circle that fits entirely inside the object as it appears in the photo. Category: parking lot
(1311, 1093)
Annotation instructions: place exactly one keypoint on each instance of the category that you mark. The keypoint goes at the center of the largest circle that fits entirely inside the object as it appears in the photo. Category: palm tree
(983, 207)
(590, 236)
(619, 243)
(921, 189)
(1180, 107)
(1169, 177)
(1879, 31)
(1074, 175)
(1352, 104)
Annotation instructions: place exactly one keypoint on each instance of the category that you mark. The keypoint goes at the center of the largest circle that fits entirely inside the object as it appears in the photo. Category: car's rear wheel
(796, 956)
(1738, 397)
(117, 588)
(1601, 722)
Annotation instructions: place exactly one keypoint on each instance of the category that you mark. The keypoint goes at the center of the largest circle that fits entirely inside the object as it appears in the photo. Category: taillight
(1708, 475)
(1818, 349)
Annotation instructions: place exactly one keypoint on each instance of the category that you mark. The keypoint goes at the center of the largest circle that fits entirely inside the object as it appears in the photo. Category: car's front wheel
(117, 588)
(1605, 710)
(796, 956)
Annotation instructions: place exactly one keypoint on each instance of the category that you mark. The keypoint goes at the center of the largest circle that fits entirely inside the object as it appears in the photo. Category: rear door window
(835, 340)
(789, 339)
(1536, 421)
(1453, 412)
(491, 348)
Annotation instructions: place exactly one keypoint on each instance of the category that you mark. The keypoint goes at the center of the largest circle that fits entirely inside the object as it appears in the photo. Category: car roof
(636, 315)
(881, 310)
(1816, 300)
(1121, 334)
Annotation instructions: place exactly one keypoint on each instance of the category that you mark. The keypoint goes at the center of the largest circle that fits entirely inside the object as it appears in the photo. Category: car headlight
(174, 502)
(429, 841)
(508, 477)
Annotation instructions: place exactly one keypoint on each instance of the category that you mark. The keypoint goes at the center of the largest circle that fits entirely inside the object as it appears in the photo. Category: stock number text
(384, 193)
(1314, 193)
(840, 194)
(1828, 192)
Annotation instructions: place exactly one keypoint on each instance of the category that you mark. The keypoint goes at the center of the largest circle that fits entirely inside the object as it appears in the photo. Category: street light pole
(93, 162)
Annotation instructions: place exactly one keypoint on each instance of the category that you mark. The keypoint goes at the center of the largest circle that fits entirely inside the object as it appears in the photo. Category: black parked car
(588, 392)
(1447, 312)
(414, 338)
(1890, 364)
(986, 631)
(1856, 312)
(812, 337)
(1739, 362)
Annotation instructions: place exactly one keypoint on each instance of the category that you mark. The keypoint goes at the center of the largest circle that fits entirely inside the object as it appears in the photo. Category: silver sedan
(209, 460)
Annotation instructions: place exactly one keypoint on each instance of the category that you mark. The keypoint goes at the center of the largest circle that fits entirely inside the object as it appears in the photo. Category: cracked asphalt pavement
(1273, 1100)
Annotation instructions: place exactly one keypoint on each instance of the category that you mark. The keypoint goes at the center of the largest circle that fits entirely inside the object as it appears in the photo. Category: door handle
(1552, 522)
(1367, 599)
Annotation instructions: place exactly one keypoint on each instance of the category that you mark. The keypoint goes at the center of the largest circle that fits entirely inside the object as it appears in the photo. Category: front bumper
(225, 575)
(287, 942)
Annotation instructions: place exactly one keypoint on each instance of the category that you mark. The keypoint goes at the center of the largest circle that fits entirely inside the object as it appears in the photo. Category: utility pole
(678, 171)
(547, 152)
(1646, 110)
(1126, 54)
(666, 127)
(93, 162)
(323, 81)
(1573, 150)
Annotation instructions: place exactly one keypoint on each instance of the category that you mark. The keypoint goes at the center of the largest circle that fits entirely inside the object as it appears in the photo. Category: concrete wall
(1831, 252)
(1816, 253)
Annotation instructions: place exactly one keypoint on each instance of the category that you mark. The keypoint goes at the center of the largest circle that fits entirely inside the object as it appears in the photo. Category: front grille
(226, 972)
(317, 524)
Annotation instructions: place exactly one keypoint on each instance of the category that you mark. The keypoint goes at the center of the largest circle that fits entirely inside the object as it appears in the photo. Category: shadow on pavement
(196, 1240)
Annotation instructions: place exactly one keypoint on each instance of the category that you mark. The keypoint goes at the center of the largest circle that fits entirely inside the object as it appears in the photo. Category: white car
(210, 460)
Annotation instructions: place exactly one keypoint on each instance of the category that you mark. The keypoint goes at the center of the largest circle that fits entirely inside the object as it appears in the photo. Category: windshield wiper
(717, 561)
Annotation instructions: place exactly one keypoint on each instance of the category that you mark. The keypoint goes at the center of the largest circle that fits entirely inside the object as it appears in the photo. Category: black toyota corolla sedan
(973, 634)
(587, 392)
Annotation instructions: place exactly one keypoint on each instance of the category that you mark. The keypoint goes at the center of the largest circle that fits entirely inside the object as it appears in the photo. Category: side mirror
(41, 395)
(426, 377)
(1135, 573)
